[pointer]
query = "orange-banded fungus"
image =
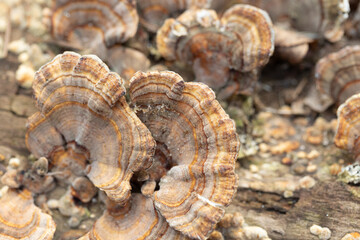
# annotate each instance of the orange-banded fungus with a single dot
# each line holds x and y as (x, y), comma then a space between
(347, 133)
(87, 23)
(21, 219)
(138, 219)
(153, 13)
(338, 74)
(81, 105)
(197, 145)
(325, 17)
(242, 40)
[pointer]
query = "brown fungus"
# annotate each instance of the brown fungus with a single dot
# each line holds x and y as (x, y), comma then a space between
(291, 45)
(347, 132)
(138, 219)
(241, 41)
(21, 219)
(197, 148)
(337, 74)
(325, 17)
(81, 104)
(126, 61)
(88, 23)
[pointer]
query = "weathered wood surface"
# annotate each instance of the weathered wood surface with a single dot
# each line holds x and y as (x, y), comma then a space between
(331, 204)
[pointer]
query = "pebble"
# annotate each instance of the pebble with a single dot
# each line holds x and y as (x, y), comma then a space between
(74, 221)
(286, 161)
(23, 57)
(53, 203)
(18, 46)
(285, 147)
(313, 154)
(288, 194)
(307, 182)
(313, 135)
(301, 154)
(25, 75)
(335, 169)
(264, 147)
(323, 233)
(298, 168)
(311, 168)
(14, 162)
(253, 232)
(253, 168)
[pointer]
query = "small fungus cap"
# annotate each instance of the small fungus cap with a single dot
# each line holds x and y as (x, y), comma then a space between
(338, 74)
(348, 128)
(198, 144)
(291, 45)
(21, 219)
(86, 22)
(81, 104)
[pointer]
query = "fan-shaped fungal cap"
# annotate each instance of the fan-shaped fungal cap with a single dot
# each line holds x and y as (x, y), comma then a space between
(81, 103)
(21, 219)
(347, 133)
(87, 22)
(138, 219)
(291, 45)
(242, 40)
(127, 61)
(153, 13)
(338, 74)
(322, 16)
(199, 142)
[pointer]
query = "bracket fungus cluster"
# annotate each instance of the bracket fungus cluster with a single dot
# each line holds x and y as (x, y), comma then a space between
(180, 136)
(337, 74)
(241, 41)
(21, 219)
(81, 104)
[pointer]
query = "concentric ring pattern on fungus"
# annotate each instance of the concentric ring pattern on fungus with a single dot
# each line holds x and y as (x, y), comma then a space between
(347, 132)
(81, 103)
(21, 219)
(138, 219)
(338, 74)
(86, 22)
(199, 144)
